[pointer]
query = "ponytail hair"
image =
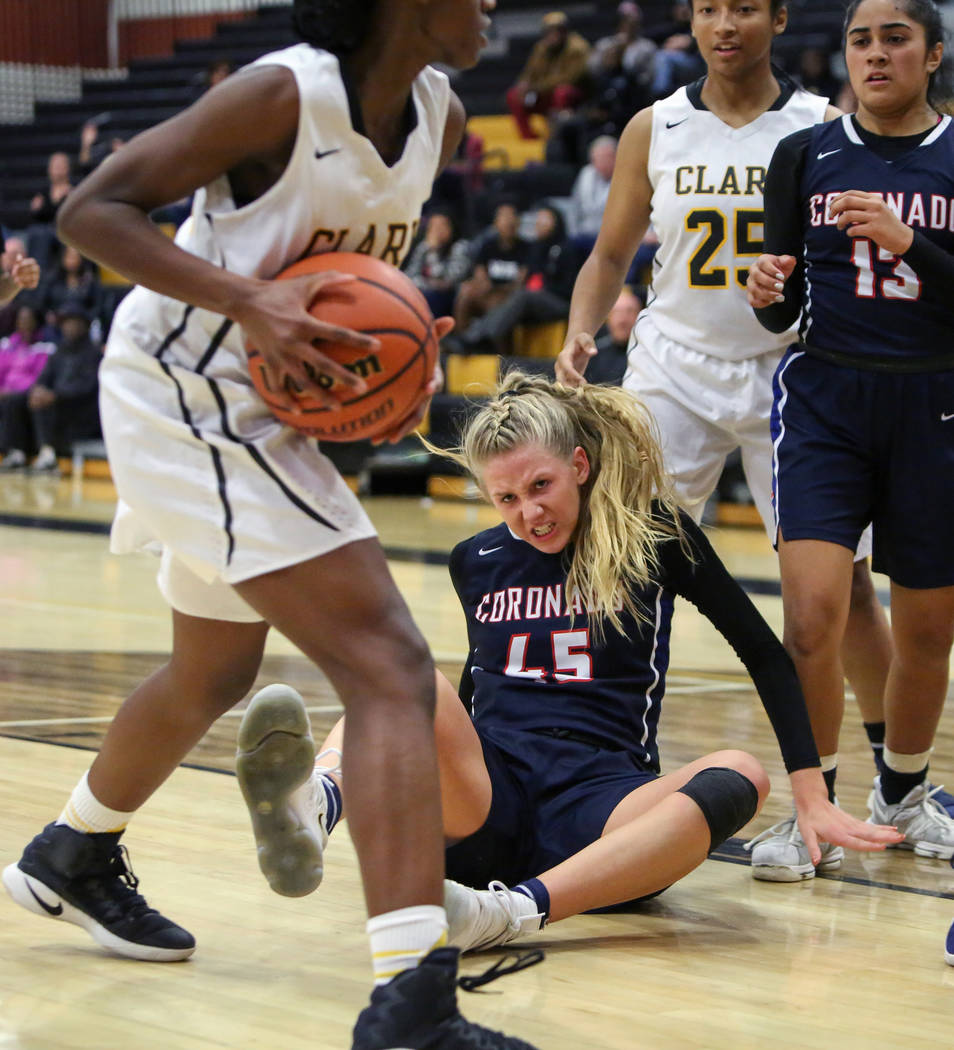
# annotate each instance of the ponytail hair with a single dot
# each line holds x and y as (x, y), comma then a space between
(614, 551)
(339, 26)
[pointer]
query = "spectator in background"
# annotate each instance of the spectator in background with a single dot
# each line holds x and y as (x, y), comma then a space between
(590, 191)
(627, 51)
(62, 405)
(814, 72)
(23, 356)
(44, 206)
(18, 272)
(94, 146)
(439, 262)
(552, 265)
(554, 77)
(677, 59)
(609, 365)
(74, 278)
(499, 268)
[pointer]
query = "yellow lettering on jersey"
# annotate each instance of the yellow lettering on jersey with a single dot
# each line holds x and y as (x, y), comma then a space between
(366, 246)
(324, 241)
(397, 238)
(684, 185)
(700, 178)
(754, 180)
(730, 183)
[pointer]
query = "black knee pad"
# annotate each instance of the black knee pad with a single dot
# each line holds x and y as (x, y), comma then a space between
(727, 799)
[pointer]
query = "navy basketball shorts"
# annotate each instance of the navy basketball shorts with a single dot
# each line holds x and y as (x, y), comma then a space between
(551, 797)
(854, 446)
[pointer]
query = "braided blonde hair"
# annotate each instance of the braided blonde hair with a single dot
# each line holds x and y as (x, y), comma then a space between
(614, 548)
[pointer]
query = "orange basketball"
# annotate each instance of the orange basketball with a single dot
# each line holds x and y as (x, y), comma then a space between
(382, 302)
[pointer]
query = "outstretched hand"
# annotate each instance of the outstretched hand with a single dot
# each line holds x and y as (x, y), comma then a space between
(573, 358)
(821, 821)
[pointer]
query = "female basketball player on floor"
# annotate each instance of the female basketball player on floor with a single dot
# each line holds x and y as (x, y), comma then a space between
(859, 232)
(694, 165)
(332, 144)
(552, 785)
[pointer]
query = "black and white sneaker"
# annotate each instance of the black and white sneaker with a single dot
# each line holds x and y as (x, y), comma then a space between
(418, 1011)
(86, 880)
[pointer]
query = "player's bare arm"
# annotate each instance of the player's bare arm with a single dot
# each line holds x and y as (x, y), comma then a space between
(246, 128)
(453, 133)
(625, 221)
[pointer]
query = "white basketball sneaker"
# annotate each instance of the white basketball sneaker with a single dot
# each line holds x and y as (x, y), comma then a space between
(275, 767)
(478, 919)
(779, 854)
(923, 821)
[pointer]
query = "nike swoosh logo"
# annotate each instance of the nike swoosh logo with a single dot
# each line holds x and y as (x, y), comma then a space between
(822, 156)
(676, 123)
(48, 908)
(487, 550)
(945, 416)
(319, 153)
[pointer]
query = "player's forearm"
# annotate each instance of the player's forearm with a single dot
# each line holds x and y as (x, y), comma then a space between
(122, 237)
(597, 287)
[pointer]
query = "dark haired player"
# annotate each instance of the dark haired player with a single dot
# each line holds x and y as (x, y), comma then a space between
(329, 145)
(859, 232)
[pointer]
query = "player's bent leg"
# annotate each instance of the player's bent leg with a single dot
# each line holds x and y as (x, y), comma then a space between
(663, 837)
(286, 797)
(75, 869)
(345, 613)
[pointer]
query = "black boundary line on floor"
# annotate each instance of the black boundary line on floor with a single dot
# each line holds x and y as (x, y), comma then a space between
(733, 844)
(750, 584)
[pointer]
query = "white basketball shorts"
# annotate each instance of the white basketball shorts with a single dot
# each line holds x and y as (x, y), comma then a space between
(206, 475)
(705, 408)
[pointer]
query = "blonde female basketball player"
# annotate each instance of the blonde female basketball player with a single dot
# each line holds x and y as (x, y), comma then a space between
(693, 164)
(331, 144)
(550, 774)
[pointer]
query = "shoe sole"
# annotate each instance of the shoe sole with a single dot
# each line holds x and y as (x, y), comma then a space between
(925, 849)
(793, 872)
(276, 755)
(23, 889)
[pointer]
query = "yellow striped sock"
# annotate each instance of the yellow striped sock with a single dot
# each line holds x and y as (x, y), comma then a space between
(400, 939)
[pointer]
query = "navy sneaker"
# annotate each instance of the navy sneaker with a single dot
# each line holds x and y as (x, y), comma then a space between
(418, 1011)
(949, 947)
(86, 879)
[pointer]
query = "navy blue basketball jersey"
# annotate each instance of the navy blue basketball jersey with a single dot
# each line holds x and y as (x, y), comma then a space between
(520, 633)
(535, 664)
(859, 298)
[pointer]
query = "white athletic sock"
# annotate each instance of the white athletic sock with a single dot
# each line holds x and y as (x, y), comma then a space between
(85, 813)
(400, 939)
(906, 763)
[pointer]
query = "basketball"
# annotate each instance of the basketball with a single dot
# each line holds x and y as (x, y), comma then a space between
(384, 303)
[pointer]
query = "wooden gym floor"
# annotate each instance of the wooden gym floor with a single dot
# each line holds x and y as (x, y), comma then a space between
(719, 961)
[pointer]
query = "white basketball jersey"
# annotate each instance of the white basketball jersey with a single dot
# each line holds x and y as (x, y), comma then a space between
(707, 181)
(336, 194)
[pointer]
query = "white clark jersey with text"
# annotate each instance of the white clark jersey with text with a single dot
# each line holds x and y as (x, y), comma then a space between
(707, 180)
(336, 194)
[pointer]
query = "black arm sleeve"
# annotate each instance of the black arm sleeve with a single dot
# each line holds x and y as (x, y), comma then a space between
(708, 585)
(783, 226)
(933, 265)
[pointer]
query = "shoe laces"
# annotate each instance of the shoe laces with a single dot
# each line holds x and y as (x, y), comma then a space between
(932, 810)
(787, 828)
(505, 898)
(513, 962)
(328, 770)
(115, 883)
